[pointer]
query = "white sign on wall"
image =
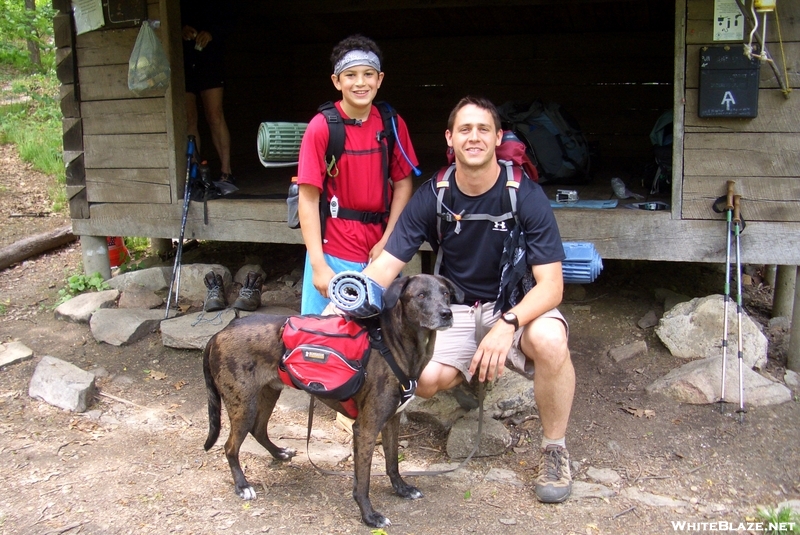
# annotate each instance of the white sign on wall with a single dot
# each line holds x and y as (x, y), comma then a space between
(728, 21)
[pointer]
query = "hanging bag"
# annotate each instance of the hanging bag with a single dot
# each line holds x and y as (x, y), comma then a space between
(148, 68)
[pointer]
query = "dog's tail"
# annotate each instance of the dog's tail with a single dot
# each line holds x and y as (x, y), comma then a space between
(214, 402)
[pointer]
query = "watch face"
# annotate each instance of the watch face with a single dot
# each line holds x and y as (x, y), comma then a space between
(510, 317)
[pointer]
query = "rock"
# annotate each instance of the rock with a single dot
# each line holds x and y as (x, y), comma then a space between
(511, 394)
(154, 279)
(494, 439)
(441, 410)
(241, 275)
(694, 330)
(193, 331)
(62, 384)
(603, 475)
(574, 292)
(273, 310)
(117, 326)
(648, 320)
(670, 298)
(501, 475)
(792, 380)
(137, 296)
(653, 500)
(11, 352)
(583, 490)
(628, 351)
(293, 400)
(81, 307)
(698, 382)
(193, 286)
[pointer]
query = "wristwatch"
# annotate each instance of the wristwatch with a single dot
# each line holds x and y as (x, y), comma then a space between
(511, 319)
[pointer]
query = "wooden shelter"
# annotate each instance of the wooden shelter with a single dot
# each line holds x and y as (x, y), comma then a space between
(615, 65)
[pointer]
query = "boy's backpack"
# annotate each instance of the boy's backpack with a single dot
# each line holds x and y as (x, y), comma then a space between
(333, 153)
(553, 137)
(326, 356)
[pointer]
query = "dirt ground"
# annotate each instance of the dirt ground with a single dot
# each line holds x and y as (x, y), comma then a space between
(135, 463)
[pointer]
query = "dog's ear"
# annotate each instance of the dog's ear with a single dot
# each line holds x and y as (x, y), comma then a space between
(456, 295)
(394, 291)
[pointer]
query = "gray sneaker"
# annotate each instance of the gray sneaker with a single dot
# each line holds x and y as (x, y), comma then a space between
(554, 481)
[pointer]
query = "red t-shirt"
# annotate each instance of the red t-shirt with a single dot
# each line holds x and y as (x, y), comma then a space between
(360, 183)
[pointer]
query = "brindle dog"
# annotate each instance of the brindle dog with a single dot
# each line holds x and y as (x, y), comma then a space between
(240, 366)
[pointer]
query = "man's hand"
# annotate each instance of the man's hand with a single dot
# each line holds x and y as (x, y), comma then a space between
(490, 358)
(203, 38)
(189, 33)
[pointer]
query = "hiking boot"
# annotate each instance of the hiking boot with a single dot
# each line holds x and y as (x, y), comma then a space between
(554, 481)
(250, 295)
(215, 299)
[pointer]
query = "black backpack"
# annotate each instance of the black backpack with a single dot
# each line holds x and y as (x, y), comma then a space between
(333, 153)
(553, 137)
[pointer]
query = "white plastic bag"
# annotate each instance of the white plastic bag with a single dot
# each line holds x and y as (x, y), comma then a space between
(148, 68)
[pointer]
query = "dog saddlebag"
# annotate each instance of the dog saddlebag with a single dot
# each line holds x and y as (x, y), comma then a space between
(325, 355)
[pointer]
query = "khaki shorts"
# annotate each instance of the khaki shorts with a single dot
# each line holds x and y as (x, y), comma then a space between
(457, 345)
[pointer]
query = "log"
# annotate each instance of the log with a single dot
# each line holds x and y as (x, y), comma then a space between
(34, 245)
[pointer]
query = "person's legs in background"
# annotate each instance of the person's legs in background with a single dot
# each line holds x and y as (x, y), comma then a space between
(220, 136)
(191, 118)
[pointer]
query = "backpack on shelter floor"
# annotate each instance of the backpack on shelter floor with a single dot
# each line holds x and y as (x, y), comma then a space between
(554, 139)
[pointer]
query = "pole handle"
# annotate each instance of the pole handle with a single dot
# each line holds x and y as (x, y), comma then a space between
(729, 196)
(736, 209)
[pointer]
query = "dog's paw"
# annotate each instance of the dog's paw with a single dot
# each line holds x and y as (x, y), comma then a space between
(377, 520)
(284, 454)
(409, 492)
(246, 493)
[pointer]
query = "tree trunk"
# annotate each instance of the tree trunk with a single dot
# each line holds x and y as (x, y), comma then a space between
(34, 245)
(33, 46)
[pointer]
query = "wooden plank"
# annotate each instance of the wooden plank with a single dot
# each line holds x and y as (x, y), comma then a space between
(70, 105)
(63, 6)
(62, 30)
(175, 99)
(763, 199)
(620, 234)
(78, 205)
(134, 151)
(65, 65)
(133, 116)
(142, 178)
(72, 134)
(736, 155)
(776, 113)
(678, 108)
(105, 47)
(107, 82)
(76, 171)
(766, 75)
(121, 190)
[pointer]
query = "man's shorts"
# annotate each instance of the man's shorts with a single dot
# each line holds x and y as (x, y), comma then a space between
(457, 345)
(204, 70)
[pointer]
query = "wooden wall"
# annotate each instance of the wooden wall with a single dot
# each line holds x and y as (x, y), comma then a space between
(760, 154)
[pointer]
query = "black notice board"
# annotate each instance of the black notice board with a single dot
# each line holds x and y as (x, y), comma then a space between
(124, 13)
(728, 82)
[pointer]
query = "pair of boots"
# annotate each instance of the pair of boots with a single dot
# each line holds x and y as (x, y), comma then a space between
(249, 296)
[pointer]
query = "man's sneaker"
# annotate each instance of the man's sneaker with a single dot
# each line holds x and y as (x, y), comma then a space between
(554, 481)
(250, 295)
(215, 299)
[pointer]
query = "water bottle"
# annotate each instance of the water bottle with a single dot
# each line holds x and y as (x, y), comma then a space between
(293, 219)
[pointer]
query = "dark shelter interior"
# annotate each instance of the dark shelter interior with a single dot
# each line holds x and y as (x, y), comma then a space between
(609, 64)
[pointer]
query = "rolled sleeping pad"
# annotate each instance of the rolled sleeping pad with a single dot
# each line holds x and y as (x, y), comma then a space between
(356, 294)
(278, 143)
(582, 265)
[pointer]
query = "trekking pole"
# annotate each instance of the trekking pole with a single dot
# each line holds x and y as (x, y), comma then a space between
(737, 224)
(728, 213)
(176, 268)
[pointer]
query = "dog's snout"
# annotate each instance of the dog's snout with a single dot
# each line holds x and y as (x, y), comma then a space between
(446, 314)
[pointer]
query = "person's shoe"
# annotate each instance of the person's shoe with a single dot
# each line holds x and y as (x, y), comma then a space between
(250, 295)
(215, 299)
(554, 481)
(227, 177)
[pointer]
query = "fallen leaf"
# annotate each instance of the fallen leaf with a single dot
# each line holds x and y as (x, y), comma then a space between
(158, 376)
(179, 385)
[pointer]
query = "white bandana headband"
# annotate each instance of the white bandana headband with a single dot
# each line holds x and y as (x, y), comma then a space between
(355, 58)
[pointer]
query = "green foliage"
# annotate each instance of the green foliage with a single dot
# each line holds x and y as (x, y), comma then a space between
(80, 283)
(784, 516)
(19, 25)
(137, 251)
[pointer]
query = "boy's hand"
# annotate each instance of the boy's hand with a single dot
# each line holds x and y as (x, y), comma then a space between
(377, 249)
(490, 358)
(322, 278)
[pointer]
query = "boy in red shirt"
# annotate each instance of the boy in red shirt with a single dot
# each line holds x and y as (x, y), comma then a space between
(356, 181)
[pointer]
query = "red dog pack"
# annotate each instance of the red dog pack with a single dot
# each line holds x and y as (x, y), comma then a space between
(325, 355)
